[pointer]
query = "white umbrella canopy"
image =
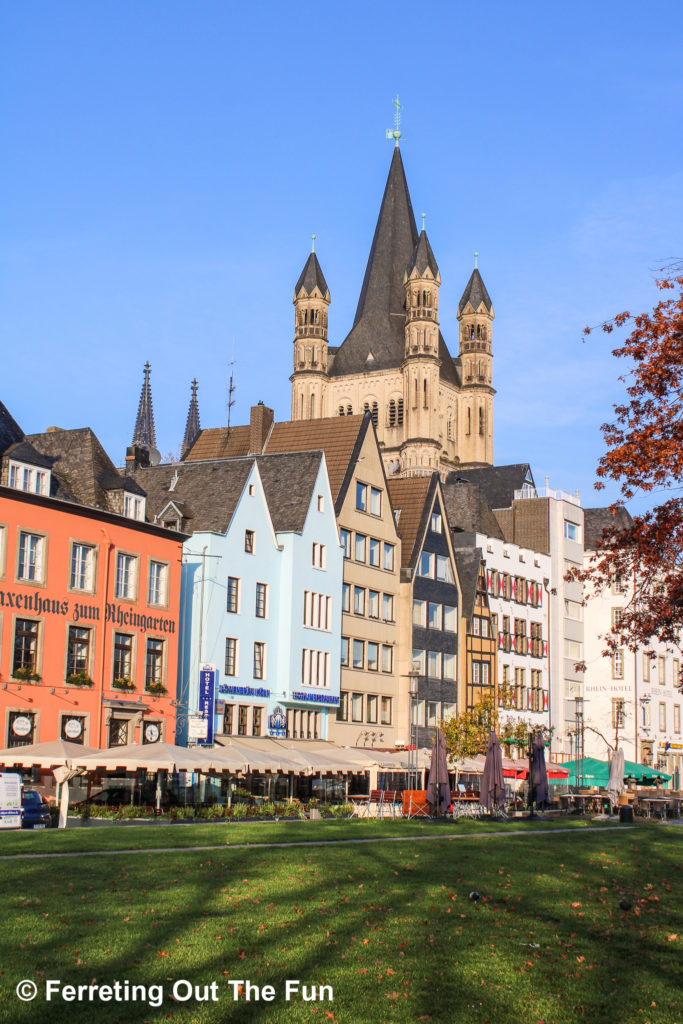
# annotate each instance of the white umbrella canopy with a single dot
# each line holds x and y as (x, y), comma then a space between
(615, 785)
(152, 756)
(45, 755)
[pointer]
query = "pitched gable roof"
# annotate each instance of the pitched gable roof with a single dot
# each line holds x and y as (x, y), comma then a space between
(219, 443)
(498, 483)
(468, 563)
(468, 511)
(411, 499)
(10, 431)
(81, 469)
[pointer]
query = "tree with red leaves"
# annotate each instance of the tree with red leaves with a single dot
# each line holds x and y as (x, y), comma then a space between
(644, 454)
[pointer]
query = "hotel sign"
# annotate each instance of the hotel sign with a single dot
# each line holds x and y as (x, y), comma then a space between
(207, 700)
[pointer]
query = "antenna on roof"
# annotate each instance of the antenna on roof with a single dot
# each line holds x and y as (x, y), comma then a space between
(232, 388)
(396, 133)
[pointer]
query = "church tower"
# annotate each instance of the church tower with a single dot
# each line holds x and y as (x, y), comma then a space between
(420, 452)
(311, 303)
(192, 427)
(475, 429)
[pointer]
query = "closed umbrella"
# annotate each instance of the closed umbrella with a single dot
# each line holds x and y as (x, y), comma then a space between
(492, 792)
(615, 785)
(539, 773)
(438, 787)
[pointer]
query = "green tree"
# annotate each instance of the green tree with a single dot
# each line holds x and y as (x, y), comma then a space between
(467, 734)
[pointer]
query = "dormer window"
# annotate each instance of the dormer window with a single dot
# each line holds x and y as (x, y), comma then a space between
(29, 478)
(134, 507)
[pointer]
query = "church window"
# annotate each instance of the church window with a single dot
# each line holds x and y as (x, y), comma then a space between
(483, 333)
(416, 393)
(392, 413)
(316, 316)
(312, 406)
(305, 316)
(375, 413)
(302, 406)
(471, 332)
(478, 331)
(418, 298)
(349, 410)
(399, 412)
(341, 410)
(425, 397)
(481, 421)
(469, 421)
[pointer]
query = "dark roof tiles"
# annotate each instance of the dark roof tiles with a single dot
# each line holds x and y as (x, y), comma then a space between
(311, 278)
(475, 294)
(498, 483)
(468, 511)
(596, 520)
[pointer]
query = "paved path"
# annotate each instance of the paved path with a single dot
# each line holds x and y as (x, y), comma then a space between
(324, 842)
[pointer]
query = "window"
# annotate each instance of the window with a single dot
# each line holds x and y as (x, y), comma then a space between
(435, 523)
(618, 714)
(617, 618)
(233, 594)
(357, 707)
(434, 615)
(77, 652)
(536, 639)
(358, 654)
(259, 660)
(572, 531)
(520, 689)
(346, 597)
(359, 550)
(314, 668)
(30, 562)
(358, 601)
(677, 717)
(373, 656)
(373, 604)
(25, 661)
(375, 499)
(662, 716)
(319, 556)
(573, 610)
(443, 569)
(661, 670)
(419, 613)
(371, 708)
(133, 507)
(256, 718)
(419, 661)
(676, 680)
(389, 557)
(228, 719)
(72, 728)
(345, 650)
(231, 651)
(387, 658)
(154, 663)
(249, 539)
(618, 584)
(426, 564)
(345, 541)
(536, 690)
(361, 497)
(321, 503)
(374, 552)
(618, 665)
(242, 719)
(157, 583)
(573, 649)
(343, 709)
(388, 607)
(28, 478)
(646, 667)
(386, 710)
(82, 575)
(126, 576)
(432, 712)
(450, 624)
(434, 664)
(123, 657)
(449, 666)
(261, 609)
(118, 732)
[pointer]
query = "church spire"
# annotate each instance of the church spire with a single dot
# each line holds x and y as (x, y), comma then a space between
(144, 435)
(192, 427)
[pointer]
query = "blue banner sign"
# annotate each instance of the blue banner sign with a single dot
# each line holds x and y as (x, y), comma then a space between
(207, 700)
(244, 691)
(317, 698)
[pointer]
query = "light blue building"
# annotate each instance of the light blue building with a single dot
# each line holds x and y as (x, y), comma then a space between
(261, 593)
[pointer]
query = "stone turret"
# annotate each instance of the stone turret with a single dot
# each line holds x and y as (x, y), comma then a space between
(311, 304)
(475, 315)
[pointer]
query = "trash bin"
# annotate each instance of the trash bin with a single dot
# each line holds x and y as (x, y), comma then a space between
(626, 814)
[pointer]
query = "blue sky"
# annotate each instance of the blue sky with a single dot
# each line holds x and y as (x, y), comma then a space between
(165, 165)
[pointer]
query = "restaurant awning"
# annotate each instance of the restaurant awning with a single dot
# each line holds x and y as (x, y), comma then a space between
(43, 755)
(596, 773)
(155, 757)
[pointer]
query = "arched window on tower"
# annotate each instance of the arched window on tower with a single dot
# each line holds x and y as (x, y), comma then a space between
(483, 332)
(481, 420)
(471, 332)
(375, 413)
(312, 406)
(478, 331)
(399, 412)
(417, 389)
(425, 397)
(468, 431)
(316, 316)
(341, 410)
(305, 316)
(301, 413)
(392, 413)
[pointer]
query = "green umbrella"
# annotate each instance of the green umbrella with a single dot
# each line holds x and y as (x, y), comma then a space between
(596, 773)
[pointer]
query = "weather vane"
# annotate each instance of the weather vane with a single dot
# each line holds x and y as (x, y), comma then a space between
(396, 133)
(312, 243)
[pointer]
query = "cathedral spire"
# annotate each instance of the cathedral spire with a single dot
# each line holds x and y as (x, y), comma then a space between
(144, 435)
(192, 427)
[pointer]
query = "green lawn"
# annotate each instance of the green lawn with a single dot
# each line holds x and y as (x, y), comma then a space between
(388, 925)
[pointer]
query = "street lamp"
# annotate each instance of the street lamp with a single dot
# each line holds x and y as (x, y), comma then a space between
(413, 683)
(579, 722)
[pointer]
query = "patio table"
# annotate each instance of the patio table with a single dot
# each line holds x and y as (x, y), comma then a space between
(654, 805)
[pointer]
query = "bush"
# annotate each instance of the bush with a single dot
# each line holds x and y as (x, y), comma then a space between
(266, 810)
(183, 813)
(293, 810)
(239, 811)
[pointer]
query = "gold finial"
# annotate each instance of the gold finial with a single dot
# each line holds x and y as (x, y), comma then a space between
(476, 260)
(424, 215)
(312, 243)
(396, 133)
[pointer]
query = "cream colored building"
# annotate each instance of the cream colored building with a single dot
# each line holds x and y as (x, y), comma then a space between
(431, 411)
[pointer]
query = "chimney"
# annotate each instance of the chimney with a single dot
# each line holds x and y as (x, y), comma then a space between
(260, 422)
(136, 458)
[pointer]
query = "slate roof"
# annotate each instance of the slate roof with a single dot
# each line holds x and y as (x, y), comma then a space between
(340, 437)
(468, 511)
(423, 257)
(410, 495)
(81, 469)
(311, 278)
(23, 451)
(475, 293)
(218, 443)
(10, 431)
(595, 520)
(208, 492)
(468, 562)
(379, 324)
(498, 483)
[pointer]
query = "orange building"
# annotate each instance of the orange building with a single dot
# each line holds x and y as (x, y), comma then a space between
(89, 598)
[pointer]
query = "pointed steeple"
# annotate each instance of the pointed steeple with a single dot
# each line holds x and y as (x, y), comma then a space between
(311, 277)
(423, 258)
(475, 293)
(392, 248)
(192, 427)
(144, 435)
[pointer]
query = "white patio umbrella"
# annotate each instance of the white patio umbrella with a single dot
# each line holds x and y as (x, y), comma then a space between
(152, 756)
(615, 784)
(44, 755)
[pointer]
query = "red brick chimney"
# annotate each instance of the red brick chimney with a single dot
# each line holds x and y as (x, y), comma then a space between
(260, 422)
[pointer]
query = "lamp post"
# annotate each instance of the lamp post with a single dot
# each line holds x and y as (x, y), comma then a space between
(579, 722)
(413, 682)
